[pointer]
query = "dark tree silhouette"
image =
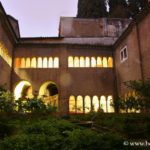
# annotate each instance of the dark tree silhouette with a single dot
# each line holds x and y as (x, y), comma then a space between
(91, 8)
(117, 8)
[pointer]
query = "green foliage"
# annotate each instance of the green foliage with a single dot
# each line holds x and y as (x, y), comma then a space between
(5, 129)
(142, 89)
(6, 101)
(34, 105)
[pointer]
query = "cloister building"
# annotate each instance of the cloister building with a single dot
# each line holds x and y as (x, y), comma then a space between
(82, 69)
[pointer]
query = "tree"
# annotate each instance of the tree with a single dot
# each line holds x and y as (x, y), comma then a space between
(91, 9)
(135, 6)
(142, 89)
(118, 9)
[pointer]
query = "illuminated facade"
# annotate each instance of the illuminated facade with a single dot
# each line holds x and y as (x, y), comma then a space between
(80, 71)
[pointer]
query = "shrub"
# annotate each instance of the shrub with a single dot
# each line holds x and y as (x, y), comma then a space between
(31, 142)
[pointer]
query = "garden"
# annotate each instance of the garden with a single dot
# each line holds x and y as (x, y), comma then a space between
(29, 124)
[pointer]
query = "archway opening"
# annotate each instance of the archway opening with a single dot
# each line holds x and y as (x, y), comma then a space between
(49, 93)
(23, 90)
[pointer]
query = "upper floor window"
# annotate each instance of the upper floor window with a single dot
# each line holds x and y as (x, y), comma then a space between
(123, 54)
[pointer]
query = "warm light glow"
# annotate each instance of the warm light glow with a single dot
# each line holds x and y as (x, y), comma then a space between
(19, 90)
(103, 103)
(105, 62)
(76, 62)
(17, 62)
(95, 103)
(46, 96)
(33, 62)
(27, 62)
(109, 104)
(50, 62)
(87, 104)
(72, 105)
(23, 63)
(45, 62)
(99, 62)
(39, 62)
(5, 54)
(79, 104)
(87, 62)
(56, 62)
(110, 62)
(70, 61)
(93, 62)
(82, 62)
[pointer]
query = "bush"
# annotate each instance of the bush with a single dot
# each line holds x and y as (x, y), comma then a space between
(6, 130)
(31, 142)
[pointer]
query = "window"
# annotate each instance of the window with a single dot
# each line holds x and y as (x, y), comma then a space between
(56, 62)
(123, 54)
(72, 104)
(39, 62)
(70, 61)
(33, 62)
(45, 62)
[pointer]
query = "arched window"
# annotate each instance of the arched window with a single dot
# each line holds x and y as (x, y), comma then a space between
(87, 104)
(39, 62)
(28, 65)
(109, 104)
(23, 63)
(17, 62)
(110, 62)
(50, 62)
(82, 63)
(99, 62)
(76, 62)
(79, 104)
(105, 65)
(33, 62)
(70, 61)
(95, 103)
(56, 62)
(45, 62)
(93, 62)
(72, 104)
(87, 62)
(103, 103)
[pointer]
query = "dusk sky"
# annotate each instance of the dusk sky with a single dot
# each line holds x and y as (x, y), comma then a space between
(39, 17)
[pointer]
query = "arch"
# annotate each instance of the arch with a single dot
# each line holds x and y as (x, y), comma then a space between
(103, 103)
(72, 104)
(76, 62)
(33, 62)
(49, 93)
(82, 62)
(109, 104)
(39, 62)
(17, 62)
(45, 64)
(28, 63)
(99, 62)
(23, 90)
(79, 104)
(70, 61)
(110, 62)
(50, 62)
(87, 62)
(95, 103)
(56, 62)
(87, 104)
(105, 64)
(23, 63)
(93, 62)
